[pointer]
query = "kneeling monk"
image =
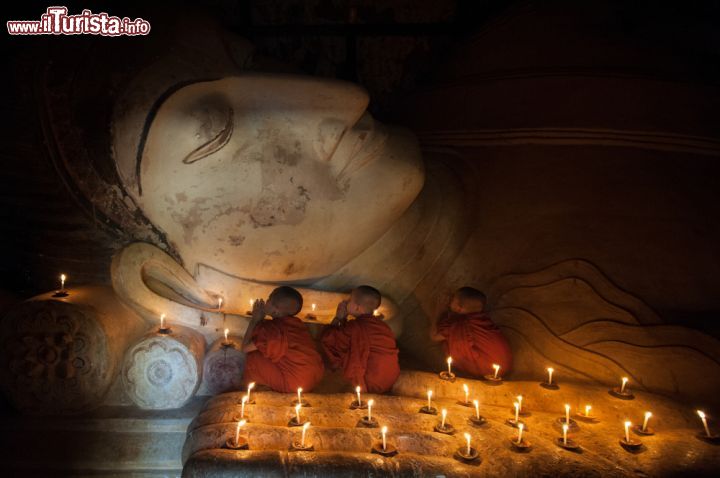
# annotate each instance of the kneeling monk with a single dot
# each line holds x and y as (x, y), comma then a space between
(280, 352)
(363, 348)
(471, 338)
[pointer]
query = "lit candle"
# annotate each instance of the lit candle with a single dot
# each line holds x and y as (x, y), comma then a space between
(701, 414)
(517, 412)
(497, 369)
(444, 416)
(240, 424)
(252, 302)
(299, 395)
(645, 422)
(467, 392)
(587, 410)
(550, 371)
(376, 312)
(226, 332)
(624, 382)
(567, 413)
(220, 301)
(251, 385)
(519, 400)
(297, 413)
(477, 409)
(242, 406)
(467, 437)
(313, 307)
(521, 426)
(371, 402)
(62, 281)
(449, 362)
(565, 429)
(304, 430)
(384, 432)
(357, 391)
(429, 405)
(162, 321)
(627, 431)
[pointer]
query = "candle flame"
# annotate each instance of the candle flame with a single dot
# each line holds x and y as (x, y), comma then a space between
(306, 425)
(313, 307)
(550, 370)
(497, 369)
(430, 393)
(384, 430)
(252, 302)
(521, 426)
(449, 360)
(565, 427)
(245, 398)
(465, 388)
(701, 414)
(226, 334)
(567, 407)
(220, 301)
(251, 385)
(648, 414)
(62, 280)
(357, 389)
(376, 312)
(162, 321)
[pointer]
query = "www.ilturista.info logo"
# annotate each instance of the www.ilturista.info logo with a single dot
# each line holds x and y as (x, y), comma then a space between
(56, 21)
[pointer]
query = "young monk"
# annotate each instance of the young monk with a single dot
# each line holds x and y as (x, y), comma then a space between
(470, 337)
(363, 348)
(281, 353)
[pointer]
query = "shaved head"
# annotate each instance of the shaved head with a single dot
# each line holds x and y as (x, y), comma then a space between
(470, 297)
(287, 299)
(367, 297)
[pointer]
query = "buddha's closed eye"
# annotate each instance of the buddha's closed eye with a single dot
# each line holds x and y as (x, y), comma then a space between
(215, 143)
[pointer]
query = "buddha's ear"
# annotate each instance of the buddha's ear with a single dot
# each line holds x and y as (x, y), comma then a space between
(328, 107)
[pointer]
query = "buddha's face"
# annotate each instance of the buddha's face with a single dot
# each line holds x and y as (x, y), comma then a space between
(274, 178)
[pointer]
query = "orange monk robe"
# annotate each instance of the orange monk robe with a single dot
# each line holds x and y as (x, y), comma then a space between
(365, 350)
(285, 358)
(475, 343)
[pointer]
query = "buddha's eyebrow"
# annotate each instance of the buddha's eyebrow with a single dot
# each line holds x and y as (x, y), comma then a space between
(152, 113)
(215, 144)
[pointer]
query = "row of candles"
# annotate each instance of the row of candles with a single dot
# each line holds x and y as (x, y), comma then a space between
(466, 452)
(621, 392)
